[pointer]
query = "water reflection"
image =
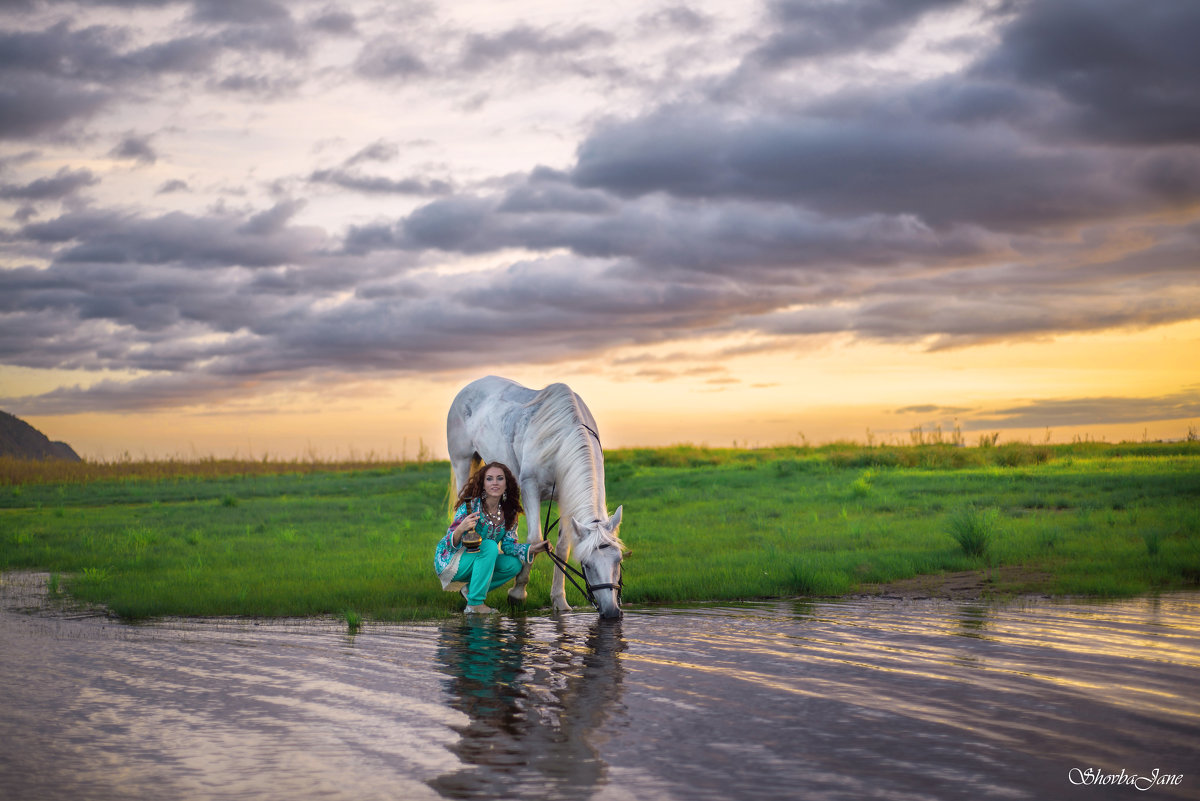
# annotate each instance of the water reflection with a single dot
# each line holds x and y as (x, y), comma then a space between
(972, 621)
(854, 700)
(532, 705)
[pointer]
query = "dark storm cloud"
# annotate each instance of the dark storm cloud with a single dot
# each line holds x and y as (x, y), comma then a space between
(32, 105)
(52, 78)
(138, 148)
(552, 197)
(376, 184)
(664, 233)
(944, 175)
(264, 85)
(141, 395)
(1019, 312)
(384, 58)
(931, 175)
(376, 151)
(929, 408)
(18, 159)
(139, 3)
(1046, 187)
(360, 240)
(157, 317)
(95, 55)
(681, 18)
(449, 53)
(806, 30)
(1181, 405)
(336, 22)
(263, 240)
(63, 183)
(482, 51)
(149, 305)
(1127, 68)
(240, 12)
(281, 39)
(589, 293)
(186, 55)
(62, 51)
(272, 221)
(174, 185)
(986, 147)
(122, 315)
(62, 74)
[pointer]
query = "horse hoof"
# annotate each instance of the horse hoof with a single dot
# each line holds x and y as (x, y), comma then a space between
(561, 606)
(516, 596)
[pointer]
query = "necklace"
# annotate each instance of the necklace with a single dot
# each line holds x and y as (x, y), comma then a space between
(495, 520)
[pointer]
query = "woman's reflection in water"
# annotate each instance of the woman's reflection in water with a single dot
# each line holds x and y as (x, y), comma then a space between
(533, 706)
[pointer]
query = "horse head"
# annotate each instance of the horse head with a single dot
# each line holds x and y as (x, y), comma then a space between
(600, 551)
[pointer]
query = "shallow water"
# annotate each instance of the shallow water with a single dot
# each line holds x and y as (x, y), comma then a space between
(866, 699)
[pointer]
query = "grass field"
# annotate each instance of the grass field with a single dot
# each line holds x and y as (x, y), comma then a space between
(216, 537)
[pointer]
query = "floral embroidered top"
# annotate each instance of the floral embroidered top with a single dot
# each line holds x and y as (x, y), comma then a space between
(446, 557)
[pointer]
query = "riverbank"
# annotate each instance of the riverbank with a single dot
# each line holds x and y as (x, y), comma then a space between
(701, 524)
(28, 592)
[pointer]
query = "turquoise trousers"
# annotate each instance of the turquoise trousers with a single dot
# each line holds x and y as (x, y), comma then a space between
(485, 570)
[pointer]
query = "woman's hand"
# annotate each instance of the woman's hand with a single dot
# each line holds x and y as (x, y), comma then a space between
(467, 524)
(538, 547)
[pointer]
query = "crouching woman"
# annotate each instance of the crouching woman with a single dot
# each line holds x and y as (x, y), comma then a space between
(480, 551)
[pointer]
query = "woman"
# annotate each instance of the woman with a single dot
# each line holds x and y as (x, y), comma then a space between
(487, 509)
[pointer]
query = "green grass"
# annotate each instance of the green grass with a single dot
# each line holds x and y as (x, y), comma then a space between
(974, 529)
(702, 524)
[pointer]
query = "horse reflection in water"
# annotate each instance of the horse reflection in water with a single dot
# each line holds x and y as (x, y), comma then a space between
(533, 707)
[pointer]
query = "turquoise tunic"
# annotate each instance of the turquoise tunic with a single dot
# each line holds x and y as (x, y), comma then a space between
(446, 557)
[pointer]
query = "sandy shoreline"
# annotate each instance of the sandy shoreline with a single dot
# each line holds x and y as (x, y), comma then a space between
(28, 591)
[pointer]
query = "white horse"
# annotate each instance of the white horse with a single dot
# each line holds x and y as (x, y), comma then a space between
(549, 440)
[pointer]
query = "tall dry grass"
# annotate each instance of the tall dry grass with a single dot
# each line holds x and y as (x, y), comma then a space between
(930, 454)
(14, 471)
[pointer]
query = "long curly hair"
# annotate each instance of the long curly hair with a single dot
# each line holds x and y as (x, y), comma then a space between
(511, 503)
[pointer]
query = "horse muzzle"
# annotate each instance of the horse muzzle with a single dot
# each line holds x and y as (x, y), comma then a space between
(606, 599)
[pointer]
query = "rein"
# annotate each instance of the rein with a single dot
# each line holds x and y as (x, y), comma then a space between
(588, 589)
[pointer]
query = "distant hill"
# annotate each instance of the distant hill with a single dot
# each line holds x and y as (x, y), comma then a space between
(19, 439)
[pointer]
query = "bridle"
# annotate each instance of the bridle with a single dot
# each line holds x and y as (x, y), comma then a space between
(588, 589)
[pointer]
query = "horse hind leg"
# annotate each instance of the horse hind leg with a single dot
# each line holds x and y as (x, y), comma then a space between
(531, 499)
(518, 593)
(533, 522)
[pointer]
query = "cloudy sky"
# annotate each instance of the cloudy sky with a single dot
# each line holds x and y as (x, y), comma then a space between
(290, 228)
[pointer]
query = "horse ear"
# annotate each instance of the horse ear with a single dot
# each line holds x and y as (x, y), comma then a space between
(580, 526)
(615, 520)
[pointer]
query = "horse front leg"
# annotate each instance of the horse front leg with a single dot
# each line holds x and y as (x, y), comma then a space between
(533, 523)
(558, 585)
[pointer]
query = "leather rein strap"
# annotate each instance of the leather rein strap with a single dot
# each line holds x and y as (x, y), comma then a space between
(588, 589)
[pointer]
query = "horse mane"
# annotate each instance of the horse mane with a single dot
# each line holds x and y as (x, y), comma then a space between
(566, 441)
(586, 545)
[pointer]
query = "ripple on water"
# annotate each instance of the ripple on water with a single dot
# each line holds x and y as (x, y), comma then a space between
(855, 699)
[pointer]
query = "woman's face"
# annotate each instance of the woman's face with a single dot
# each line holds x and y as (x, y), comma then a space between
(493, 482)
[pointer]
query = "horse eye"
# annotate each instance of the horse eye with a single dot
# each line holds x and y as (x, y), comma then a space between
(606, 545)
